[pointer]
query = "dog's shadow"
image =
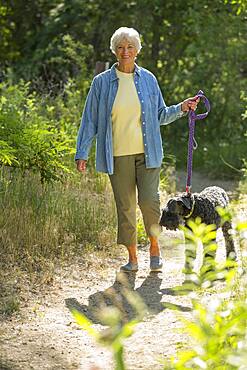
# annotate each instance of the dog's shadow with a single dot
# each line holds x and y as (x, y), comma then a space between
(149, 292)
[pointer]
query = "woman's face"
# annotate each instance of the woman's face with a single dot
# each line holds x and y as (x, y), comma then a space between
(126, 53)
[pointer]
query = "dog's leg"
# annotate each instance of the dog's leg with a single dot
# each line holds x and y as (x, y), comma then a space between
(229, 242)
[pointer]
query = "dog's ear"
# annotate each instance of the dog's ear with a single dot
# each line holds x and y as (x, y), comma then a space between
(171, 206)
(186, 202)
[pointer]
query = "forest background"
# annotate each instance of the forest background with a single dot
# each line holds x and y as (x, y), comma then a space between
(48, 53)
(50, 215)
(50, 49)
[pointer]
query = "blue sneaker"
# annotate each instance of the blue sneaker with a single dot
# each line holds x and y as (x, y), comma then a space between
(129, 267)
(156, 263)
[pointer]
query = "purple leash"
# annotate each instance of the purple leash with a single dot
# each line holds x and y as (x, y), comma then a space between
(192, 145)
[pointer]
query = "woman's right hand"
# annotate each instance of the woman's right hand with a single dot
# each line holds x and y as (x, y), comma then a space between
(81, 165)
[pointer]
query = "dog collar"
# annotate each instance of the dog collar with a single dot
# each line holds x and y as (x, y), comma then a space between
(192, 208)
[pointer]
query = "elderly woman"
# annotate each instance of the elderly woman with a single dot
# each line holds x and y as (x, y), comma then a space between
(124, 110)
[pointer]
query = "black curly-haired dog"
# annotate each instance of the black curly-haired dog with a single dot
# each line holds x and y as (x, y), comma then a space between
(189, 206)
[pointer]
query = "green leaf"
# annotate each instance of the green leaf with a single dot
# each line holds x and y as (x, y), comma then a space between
(84, 322)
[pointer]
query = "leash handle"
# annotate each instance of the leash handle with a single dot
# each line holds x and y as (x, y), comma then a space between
(205, 100)
(192, 144)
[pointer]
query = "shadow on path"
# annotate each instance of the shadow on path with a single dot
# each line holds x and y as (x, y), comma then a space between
(150, 292)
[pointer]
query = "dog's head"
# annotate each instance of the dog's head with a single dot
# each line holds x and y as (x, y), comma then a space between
(176, 210)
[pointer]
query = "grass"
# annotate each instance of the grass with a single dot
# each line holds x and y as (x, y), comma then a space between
(41, 224)
(44, 226)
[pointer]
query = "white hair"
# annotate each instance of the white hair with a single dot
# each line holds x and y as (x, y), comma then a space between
(129, 34)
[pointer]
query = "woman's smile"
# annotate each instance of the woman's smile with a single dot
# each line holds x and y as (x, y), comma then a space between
(126, 54)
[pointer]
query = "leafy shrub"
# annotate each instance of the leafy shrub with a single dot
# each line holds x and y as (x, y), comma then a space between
(29, 139)
(219, 329)
(141, 232)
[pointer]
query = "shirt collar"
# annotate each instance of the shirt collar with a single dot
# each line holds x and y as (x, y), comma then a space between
(114, 74)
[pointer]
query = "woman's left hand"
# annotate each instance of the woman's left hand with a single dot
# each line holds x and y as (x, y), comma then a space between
(190, 103)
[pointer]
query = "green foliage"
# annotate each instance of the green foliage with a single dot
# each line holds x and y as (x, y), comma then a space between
(197, 234)
(238, 5)
(49, 49)
(9, 305)
(29, 139)
(7, 51)
(219, 329)
(220, 333)
(167, 174)
(219, 158)
(45, 42)
(7, 154)
(62, 59)
(215, 65)
(243, 182)
(141, 232)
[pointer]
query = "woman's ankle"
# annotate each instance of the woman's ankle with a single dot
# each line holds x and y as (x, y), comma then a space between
(132, 250)
(154, 249)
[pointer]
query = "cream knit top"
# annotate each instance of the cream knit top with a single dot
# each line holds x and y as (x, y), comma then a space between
(126, 118)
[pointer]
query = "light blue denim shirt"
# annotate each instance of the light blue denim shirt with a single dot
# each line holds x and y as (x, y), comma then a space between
(96, 118)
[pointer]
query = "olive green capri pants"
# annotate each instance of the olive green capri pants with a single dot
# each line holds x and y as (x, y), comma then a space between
(130, 173)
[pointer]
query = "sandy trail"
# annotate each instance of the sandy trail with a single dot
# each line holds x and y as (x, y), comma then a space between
(44, 335)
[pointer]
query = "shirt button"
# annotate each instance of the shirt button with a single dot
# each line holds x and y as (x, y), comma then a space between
(146, 155)
(143, 112)
(145, 144)
(144, 134)
(142, 101)
(138, 92)
(143, 123)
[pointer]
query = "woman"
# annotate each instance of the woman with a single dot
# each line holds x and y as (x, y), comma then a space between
(124, 109)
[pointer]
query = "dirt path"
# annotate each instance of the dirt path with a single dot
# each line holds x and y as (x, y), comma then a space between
(44, 335)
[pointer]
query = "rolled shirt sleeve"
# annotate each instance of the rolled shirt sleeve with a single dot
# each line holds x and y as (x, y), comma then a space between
(168, 114)
(89, 123)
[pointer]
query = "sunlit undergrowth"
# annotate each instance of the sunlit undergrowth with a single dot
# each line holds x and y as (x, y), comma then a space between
(44, 222)
(218, 330)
